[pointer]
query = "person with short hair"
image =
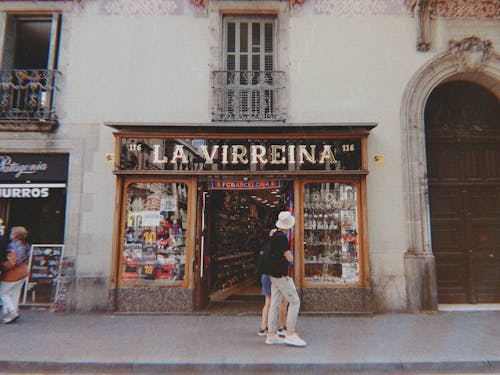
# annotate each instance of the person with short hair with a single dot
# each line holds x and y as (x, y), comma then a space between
(15, 272)
(282, 285)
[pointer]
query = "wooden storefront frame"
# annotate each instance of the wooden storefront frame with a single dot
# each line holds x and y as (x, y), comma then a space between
(300, 178)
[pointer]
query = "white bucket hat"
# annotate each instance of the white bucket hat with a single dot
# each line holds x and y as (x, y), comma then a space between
(285, 220)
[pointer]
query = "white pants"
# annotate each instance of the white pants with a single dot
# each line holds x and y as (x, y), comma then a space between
(283, 287)
(10, 291)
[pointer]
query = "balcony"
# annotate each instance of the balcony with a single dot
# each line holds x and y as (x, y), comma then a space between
(27, 100)
(248, 95)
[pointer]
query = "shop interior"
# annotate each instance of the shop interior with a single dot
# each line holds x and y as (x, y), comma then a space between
(42, 217)
(239, 217)
(44, 220)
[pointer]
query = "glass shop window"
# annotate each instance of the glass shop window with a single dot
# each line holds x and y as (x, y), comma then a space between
(154, 243)
(331, 246)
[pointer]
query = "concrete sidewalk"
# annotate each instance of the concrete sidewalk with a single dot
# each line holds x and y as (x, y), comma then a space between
(441, 342)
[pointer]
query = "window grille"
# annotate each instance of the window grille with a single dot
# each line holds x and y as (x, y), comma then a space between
(248, 87)
(28, 75)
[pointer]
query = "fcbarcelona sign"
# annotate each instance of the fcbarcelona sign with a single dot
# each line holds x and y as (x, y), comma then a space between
(245, 185)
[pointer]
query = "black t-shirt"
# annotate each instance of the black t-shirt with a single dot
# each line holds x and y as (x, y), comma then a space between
(278, 265)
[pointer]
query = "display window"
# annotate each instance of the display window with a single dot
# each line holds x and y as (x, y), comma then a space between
(154, 228)
(331, 233)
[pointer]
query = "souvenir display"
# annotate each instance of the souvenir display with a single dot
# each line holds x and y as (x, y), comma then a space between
(233, 253)
(154, 250)
(331, 233)
(240, 221)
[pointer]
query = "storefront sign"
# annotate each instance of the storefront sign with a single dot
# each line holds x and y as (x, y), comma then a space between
(45, 264)
(240, 154)
(27, 190)
(33, 167)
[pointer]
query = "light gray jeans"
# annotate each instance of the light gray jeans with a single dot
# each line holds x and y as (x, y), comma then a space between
(283, 287)
(10, 291)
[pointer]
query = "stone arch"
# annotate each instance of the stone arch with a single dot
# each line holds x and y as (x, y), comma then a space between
(470, 59)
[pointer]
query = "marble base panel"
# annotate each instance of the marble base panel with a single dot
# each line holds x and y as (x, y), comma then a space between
(421, 284)
(336, 299)
(154, 300)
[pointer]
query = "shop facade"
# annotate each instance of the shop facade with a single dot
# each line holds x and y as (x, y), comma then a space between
(33, 191)
(196, 204)
(141, 233)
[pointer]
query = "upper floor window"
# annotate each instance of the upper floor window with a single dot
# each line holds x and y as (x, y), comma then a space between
(249, 44)
(28, 74)
(248, 87)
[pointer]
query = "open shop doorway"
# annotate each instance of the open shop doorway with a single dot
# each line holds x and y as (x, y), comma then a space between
(238, 218)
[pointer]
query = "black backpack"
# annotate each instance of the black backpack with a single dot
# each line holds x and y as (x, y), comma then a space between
(263, 259)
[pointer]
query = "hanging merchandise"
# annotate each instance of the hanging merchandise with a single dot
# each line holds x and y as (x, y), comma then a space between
(331, 234)
(239, 223)
(233, 251)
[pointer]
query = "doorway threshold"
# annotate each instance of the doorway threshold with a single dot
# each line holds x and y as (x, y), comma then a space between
(469, 307)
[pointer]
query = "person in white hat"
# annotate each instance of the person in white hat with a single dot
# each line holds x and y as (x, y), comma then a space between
(282, 286)
(265, 281)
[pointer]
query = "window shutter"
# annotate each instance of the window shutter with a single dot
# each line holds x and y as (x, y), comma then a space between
(9, 43)
(248, 61)
(268, 46)
(54, 41)
(249, 43)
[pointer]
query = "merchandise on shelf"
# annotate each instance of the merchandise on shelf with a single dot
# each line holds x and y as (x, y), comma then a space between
(330, 233)
(233, 255)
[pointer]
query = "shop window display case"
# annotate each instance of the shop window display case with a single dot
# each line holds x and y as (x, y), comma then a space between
(331, 246)
(154, 248)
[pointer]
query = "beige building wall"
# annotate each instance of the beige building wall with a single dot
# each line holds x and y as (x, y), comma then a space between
(124, 61)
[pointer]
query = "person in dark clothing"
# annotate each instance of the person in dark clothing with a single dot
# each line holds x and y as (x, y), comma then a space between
(266, 290)
(282, 286)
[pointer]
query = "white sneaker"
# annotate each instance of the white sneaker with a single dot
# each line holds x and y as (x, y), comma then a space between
(274, 339)
(9, 319)
(294, 340)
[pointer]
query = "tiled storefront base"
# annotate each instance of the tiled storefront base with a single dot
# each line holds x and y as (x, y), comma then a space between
(154, 300)
(325, 299)
(336, 299)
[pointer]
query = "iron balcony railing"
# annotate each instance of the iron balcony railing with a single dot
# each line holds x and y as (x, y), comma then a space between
(27, 95)
(241, 95)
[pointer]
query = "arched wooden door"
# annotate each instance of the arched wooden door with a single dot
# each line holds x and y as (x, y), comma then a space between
(462, 125)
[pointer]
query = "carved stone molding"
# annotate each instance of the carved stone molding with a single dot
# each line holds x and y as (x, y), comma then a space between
(200, 7)
(419, 268)
(354, 8)
(471, 52)
(28, 126)
(423, 10)
(296, 5)
(137, 8)
(467, 9)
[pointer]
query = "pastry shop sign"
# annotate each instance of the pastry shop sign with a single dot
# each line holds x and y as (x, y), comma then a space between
(240, 154)
(21, 167)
